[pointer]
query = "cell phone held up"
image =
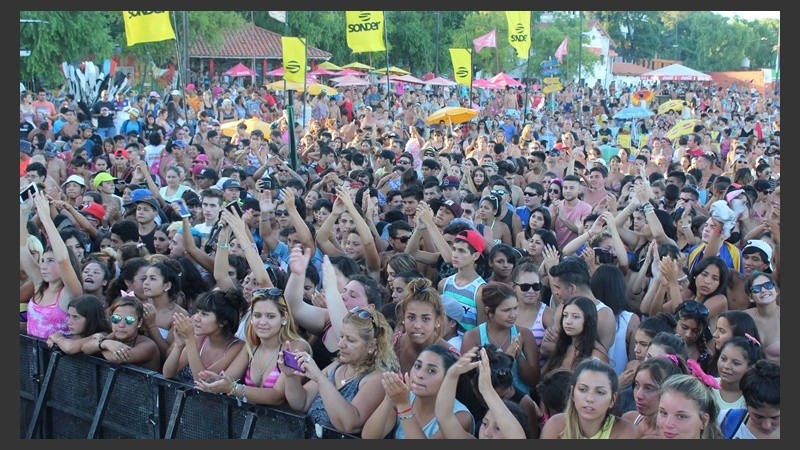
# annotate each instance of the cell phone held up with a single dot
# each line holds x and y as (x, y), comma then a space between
(27, 192)
(290, 361)
(183, 210)
(234, 207)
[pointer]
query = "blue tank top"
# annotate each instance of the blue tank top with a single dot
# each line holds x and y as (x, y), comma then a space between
(518, 383)
(432, 427)
(317, 411)
(466, 297)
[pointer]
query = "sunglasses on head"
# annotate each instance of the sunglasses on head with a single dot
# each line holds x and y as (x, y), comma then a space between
(693, 307)
(365, 314)
(525, 287)
(116, 318)
(402, 239)
(757, 288)
(272, 292)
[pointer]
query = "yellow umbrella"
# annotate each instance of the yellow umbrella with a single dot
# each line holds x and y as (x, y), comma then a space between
(393, 69)
(451, 115)
(313, 88)
(229, 128)
(357, 66)
(681, 128)
(675, 105)
(328, 65)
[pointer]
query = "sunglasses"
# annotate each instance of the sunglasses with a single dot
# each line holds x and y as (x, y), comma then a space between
(365, 314)
(282, 213)
(525, 287)
(554, 191)
(694, 307)
(553, 153)
(402, 239)
(498, 192)
(116, 318)
(272, 292)
(530, 194)
(757, 288)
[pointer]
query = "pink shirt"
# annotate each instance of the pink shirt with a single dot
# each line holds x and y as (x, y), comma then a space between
(579, 211)
(44, 320)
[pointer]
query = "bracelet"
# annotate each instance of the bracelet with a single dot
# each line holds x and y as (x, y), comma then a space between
(233, 388)
(223, 245)
(406, 416)
(405, 411)
(100, 343)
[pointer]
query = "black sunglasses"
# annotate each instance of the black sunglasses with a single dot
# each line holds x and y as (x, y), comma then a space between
(402, 239)
(282, 212)
(757, 288)
(554, 191)
(693, 307)
(553, 153)
(530, 194)
(525, 287)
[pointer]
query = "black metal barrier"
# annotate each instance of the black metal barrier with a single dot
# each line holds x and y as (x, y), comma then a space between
(85, 397)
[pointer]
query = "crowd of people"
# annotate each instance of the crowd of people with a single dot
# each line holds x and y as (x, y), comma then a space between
(540, 271)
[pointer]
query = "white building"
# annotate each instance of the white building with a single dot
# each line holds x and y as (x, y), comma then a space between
(598, 42)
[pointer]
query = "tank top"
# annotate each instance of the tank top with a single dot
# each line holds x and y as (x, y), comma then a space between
(44, 320)
(539, 331)
(185, 374)
(317, 411)
(605, 430)
(432, 427)
(268, 382)
(618, 353)
(517, 381)
(466, 297)
(322, 356)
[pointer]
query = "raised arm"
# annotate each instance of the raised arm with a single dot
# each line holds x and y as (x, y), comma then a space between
(312, 318)
(72, 284)
(449, 424)
(26, 261)
(300, 226)
(508, 423)
(242, 233)
(325, 232)
(371, 255)
(221, 264)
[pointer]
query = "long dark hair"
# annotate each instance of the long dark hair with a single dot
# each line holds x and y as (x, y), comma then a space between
(585, 342)
(91, 308)
(548, 221)
(701, 265)
(227, 306)
(608, 283)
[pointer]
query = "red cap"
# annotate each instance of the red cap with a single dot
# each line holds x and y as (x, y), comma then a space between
(121, 152)
(472, 238)
(95, 210)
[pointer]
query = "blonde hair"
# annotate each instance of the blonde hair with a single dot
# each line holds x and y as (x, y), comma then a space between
(289, 330)
(35, 245)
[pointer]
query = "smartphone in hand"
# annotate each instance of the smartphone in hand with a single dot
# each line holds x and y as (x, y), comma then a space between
(183, 210)
(234, 207)
(28, 192)
(290, 360)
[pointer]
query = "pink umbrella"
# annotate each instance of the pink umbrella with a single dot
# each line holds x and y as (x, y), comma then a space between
(350, 80)
(275, 72)
(440, 81)
(503, 80)
(401, 79)
(323, 72)
(350, 71)
(240, 70)
(484, 84)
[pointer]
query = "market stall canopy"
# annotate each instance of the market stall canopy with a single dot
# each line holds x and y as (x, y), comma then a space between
(353, 72)
(329, 66)
(504, 80)
(401, 79)
(393, 70)
(675, 72)
(323, 72)
(440, 81)
(451, 115)
(357, 66)
(240, 70)
(350, 80)
(632, 112)
(484, 84)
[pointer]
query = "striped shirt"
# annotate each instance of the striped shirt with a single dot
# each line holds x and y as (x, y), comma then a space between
(466, 297)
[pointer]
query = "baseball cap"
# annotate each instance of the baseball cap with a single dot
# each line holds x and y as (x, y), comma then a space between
(179, 143)
(190, 87)
(453, 310)
(102, 177)
(205, 172)
(472, 238)
(50, 150)
(121, 152)
(231, 184)
(175, 92)
(85, 126)
(142, 195)
(25, 147)
(454, 207)
(451, 181)
(733, 194)
(74, 179)
(202, 157)
(760, 245)
(250, 170)
(154, 94)
(95, 210)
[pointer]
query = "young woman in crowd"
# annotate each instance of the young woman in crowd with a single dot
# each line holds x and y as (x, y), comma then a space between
(730, 324)
(532, 312)
(686, 409)
(761, 418)
(648, 378)
(577, 337)
(736, 356)
(87, 317)
(767, 314)
(589, 412)
(539, 218)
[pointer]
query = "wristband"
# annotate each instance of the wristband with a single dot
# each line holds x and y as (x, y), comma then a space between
(223, 245)
(405, 411)
(406, 416)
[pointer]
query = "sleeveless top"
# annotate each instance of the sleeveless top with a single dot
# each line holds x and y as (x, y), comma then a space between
(605, 430)
(317, 411)
(322, 356)
(44, 320)
(618, 353)
(185, 374)
(466, 297)
(539, 331)
(432, 427)
(517, 381)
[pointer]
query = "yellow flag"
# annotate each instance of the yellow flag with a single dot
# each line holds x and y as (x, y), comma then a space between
(462, 65)
(364, 31)
(147, 26)
(294, 59)
(519, 32)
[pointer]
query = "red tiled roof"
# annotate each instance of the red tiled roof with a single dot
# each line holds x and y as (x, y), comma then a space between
(599, 52)
(249, 42)
(623, 68)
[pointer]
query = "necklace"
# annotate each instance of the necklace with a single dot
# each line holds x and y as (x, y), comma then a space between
(258, 381)
(346, 380)
(508, 336)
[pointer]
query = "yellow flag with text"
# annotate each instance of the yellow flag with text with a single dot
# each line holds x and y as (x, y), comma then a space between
(519, 32)
(364, 31)
(294, 59)
(147, 26)
(462, 65)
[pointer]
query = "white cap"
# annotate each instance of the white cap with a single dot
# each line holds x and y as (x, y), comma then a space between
(76, 178)
(763, 246)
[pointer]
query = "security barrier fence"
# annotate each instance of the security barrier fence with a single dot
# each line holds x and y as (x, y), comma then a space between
(85, 397)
